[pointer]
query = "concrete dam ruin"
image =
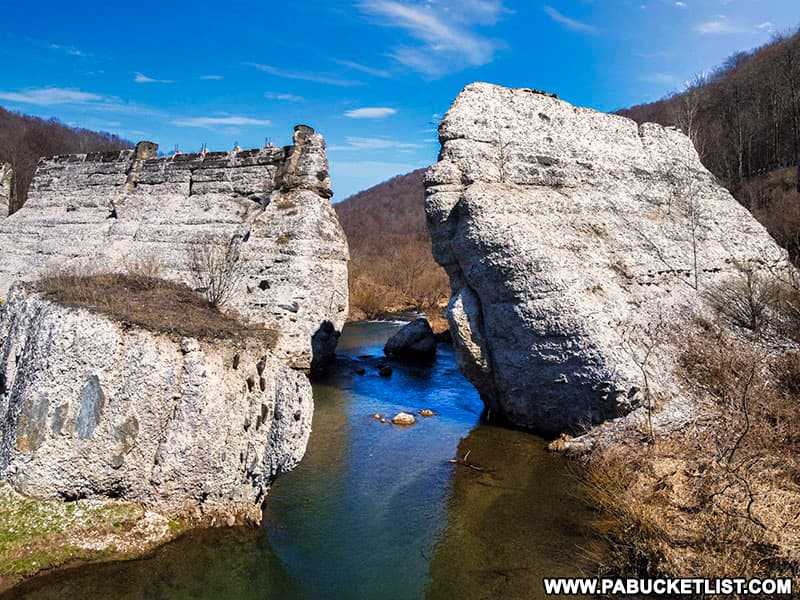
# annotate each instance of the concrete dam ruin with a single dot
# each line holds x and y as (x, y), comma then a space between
(106, 210)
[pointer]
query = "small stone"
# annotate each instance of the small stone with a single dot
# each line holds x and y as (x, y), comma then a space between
(559, 444)
(385, 371)
(426, 412)
(377, 416)
(403, 419)
(359, 370)
(189, 345)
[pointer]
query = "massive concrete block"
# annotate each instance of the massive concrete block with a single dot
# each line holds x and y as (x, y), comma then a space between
(569, 236)
(104, 210)
(94, 408)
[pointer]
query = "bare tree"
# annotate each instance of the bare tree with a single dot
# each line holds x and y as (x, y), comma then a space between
(686, 111)
(640, 342)
(25, 139)
(744, 117)
(694, 214)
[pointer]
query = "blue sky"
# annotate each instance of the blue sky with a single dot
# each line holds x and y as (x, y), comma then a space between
(374, 76)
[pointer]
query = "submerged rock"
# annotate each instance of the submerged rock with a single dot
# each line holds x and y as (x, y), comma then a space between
(414, 340)
(569, 237)
(94, 408)
(444, 337)
(404, 419)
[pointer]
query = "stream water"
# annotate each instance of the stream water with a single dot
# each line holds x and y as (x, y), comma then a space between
(379, 511)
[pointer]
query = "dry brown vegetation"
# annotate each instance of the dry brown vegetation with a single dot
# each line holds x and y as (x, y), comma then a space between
(391, 266)
(138, 298)
(24, 140)
(721, 497)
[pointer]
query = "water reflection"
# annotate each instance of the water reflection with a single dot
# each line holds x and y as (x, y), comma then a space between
(221, 564)
(514, 518)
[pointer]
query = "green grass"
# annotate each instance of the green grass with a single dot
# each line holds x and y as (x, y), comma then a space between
(37, 535)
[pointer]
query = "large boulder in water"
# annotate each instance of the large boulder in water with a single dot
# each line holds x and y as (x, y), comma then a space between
(568, 236)
(415, 340)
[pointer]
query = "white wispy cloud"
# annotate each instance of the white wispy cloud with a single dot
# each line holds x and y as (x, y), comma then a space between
(71, 50)
(660, 79)
(718, 25)
(363, 68)
(213, 122)
(211, 77)
(305, 76)
(569, 23)
(88, 101)
(140, 78)
(681, 4)
(766, 26)
(368, 143)
(51, 96)
(444, 30)
(373, 112)
(283, 97)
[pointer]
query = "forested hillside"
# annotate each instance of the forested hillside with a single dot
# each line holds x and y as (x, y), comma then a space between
(24, 139)
(744, 120)
(391, 265)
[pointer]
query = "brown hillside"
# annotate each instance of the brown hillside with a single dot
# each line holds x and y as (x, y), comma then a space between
(391, 265)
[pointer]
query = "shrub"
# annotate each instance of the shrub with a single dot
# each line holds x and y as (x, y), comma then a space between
(745, 300)
(215, 264)
(372, 299)
(715, 496)
(142, 270)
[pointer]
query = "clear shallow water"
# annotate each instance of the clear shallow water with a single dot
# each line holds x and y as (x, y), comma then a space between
(378, 511)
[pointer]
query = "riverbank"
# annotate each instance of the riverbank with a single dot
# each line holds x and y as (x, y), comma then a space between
(716, 494)
(39, 535)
